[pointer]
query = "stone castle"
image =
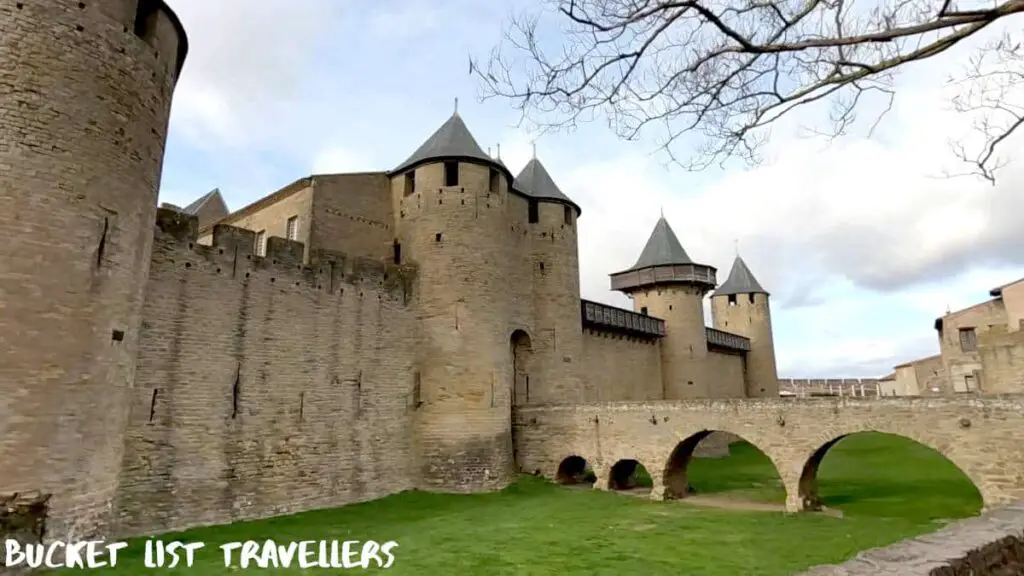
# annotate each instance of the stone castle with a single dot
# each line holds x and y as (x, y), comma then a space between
(352, 335)
(349, 336)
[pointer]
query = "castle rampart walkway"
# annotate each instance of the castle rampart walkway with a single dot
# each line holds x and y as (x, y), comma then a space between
(981, 435)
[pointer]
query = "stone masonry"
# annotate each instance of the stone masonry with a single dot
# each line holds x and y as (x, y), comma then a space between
(989, 545)
(980, 436)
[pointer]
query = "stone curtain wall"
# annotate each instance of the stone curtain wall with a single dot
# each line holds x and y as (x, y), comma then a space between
(620, 367)
(264, 387)
(980, 435)
(989, 545)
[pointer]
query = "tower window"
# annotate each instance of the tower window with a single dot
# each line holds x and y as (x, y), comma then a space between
(568, 215)
(732, 299)
(534, 211)
(643, 310)
(410, 182)
(145, 19)
(968, 340)
(451, 173)
(396, 249)
(292, 228)
(492, 183)
(261, 243)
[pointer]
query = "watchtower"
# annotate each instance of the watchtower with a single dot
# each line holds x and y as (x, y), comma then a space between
(667, 284)
(557, 341)
(83, 122)
(740, 305)
(450, 200)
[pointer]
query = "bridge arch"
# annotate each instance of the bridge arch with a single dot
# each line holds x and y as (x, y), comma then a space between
(675, 474)
(575, 469)
(808, 493)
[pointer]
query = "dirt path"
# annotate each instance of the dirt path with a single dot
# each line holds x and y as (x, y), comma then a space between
(723, 501)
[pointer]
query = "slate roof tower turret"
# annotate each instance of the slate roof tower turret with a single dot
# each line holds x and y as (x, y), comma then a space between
(740, 305)
(666, 283)
(551, 221)
(450, 200)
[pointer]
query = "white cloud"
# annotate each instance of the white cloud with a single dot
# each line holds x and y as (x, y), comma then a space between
(337, 160)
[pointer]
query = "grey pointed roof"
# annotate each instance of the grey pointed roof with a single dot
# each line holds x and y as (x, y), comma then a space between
(662, 249)
(452, 140)
(535, 181)
(194, 207)
(740, 281)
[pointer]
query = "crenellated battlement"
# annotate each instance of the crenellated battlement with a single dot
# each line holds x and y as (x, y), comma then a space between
(232, 253)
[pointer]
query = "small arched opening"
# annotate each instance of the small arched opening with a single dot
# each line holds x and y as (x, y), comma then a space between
(522, 350)
(629, 475)
(743, 472)
(886, 475)
(575, 470)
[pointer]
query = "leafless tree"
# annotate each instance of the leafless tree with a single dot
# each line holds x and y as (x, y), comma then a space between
(728, 69)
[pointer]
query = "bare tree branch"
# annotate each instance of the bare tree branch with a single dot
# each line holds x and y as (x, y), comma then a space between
(728, 69)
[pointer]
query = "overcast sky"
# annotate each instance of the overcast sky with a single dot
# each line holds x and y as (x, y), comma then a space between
(861, 242)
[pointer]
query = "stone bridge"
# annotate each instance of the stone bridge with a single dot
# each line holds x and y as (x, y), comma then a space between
(983, 436)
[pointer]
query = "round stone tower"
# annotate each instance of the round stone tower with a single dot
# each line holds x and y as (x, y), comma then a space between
(557, 342)
(667, 284)
(87, 93)
(740, 305)
(450, 199)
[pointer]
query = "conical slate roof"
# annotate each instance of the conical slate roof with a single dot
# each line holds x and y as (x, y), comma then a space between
(740, 281)
(534, 181)
(451, 140)
(662, 249)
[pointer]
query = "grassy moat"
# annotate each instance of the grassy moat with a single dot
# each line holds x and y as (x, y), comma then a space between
(887, 489)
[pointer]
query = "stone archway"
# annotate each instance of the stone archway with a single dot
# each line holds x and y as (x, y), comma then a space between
(809, 496)
(575, 470)
(522, 352)
(628, 475)
(675, 476)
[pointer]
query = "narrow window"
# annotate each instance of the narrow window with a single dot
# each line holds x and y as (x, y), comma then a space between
(534, 212)
(492, 183)
(451, 173)
(568, 215)
(397, 250)
(410, 182)
(145, 19)
(644, 310)
(292, 228)
(750, 297)
(968, 340)
(969, 385)
(261, 243)
(732, 299)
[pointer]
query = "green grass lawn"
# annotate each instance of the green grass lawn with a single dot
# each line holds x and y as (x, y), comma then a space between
(887, 488)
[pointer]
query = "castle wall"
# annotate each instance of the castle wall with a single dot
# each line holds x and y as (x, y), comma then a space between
(1013, 302)
(1002, 360)
(271, 216)
(520, 267)
(726, 375)
(83, 122)
(684, 348)
(963, 367)
(461, 238)
(352, 213)
(750, 315)
(265, 387)
(558, 334)
(617, 367)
